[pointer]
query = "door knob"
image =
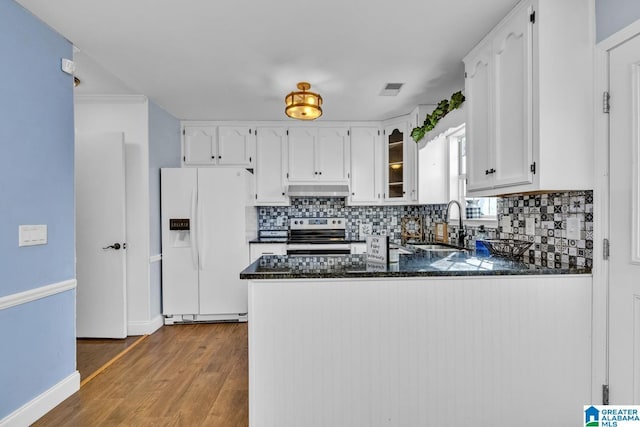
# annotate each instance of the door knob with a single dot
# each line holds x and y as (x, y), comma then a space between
(115, 246)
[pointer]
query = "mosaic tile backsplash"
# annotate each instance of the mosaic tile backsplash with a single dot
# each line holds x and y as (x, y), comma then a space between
(550, 246)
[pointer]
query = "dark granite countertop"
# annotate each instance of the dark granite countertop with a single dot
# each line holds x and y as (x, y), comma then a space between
(420, 263)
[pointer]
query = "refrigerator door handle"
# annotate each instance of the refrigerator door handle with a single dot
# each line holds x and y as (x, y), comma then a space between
(194, 229)
(201, 231)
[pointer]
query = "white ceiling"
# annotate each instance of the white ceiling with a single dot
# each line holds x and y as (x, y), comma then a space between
(237, 59)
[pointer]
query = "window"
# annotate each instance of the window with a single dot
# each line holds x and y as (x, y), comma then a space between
(479, 209)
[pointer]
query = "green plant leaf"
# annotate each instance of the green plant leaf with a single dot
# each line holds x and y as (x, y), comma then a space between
(418, 133)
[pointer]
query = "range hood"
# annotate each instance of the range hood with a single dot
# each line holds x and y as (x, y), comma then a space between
(318, 190)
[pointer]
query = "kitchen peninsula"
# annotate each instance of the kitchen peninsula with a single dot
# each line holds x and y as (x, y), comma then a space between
(441, 338)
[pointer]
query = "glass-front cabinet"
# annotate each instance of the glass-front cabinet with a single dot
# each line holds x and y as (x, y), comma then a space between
(395, 163)
(399, 165)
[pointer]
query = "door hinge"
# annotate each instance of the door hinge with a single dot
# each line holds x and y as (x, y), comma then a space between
(256, 196)
(532, 168)
(183, 132)
(184, 158)
(348, 133)
(378, 132)
(287, 175)
(605, 249)
(287, 131)
(532, 17)
(465, 74)
(605, 394)
(606, 102)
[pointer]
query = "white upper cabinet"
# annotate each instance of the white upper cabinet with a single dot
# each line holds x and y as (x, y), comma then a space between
(302, 159)
(332, 154)
(235, 145)
(399, 162)
(200, 145)
(318, 154)
(218, 145)
(271, 144)
(366, 166)
(529, 101)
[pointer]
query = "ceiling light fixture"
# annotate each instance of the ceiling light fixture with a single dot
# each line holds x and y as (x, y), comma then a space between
(303, 105)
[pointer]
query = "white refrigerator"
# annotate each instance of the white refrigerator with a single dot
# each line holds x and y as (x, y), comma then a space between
(208, 218)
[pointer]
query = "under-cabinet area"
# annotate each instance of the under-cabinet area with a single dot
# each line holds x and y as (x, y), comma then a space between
(419, 351)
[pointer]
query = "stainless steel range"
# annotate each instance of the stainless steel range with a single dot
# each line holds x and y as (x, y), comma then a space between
(317, 236)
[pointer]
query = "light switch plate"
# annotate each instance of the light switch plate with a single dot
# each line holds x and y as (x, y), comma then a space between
(573, 228)
(31, 235)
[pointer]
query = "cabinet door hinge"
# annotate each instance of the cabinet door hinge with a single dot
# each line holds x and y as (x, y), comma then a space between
(606, 102)
(532, 168)
(256, 132)
(532, 17)
(249, 131)
(184, 158)
(465, 74)
(605, 394)
(287, 131)
(348, 133)
(183, 132)
(605, 249)
(378, 132)
(287, 175)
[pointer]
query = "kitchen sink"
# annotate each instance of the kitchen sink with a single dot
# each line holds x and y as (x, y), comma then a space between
(435, 247)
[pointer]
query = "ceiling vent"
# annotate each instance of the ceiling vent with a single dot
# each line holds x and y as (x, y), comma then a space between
(391, 89)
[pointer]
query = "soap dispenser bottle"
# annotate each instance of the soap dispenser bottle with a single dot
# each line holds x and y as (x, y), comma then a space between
(481, 248)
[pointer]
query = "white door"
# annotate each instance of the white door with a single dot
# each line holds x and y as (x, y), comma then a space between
(100, 236)
(624, 276)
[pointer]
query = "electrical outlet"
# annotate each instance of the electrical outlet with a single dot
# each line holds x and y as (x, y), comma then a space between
(573, 228)
(530, 226)
(506, 224)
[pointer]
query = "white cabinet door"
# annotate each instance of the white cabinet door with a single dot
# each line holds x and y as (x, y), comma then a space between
(332, 154)
(200, 144)
(512, 61)
(269, 171)
(433, 171)
(397, 164)
(235, 145)
(478, 125)
(366, 166)
(301, 146)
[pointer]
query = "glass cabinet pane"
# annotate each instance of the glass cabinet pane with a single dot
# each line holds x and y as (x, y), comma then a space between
(395, 145)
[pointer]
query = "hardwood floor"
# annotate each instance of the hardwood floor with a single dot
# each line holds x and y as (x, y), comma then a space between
(93, 353)
(182, 375)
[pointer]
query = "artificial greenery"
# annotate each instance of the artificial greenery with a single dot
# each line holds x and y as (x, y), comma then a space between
(443, 108)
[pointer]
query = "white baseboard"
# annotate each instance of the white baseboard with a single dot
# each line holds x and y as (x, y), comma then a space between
(145, 327)
(36, 408)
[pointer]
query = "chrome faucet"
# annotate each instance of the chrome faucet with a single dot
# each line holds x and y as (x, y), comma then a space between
(461, 227)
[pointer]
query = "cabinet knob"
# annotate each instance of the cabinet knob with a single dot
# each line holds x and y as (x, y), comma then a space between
(319, 173)
(283, 193)
(219, 157)
(353, 194)
(315, 173)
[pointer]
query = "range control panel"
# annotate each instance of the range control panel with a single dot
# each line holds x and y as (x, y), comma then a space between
(316, 223)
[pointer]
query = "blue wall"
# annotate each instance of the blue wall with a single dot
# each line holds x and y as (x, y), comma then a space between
(37, 187)
(614, 15)
(164, 152)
